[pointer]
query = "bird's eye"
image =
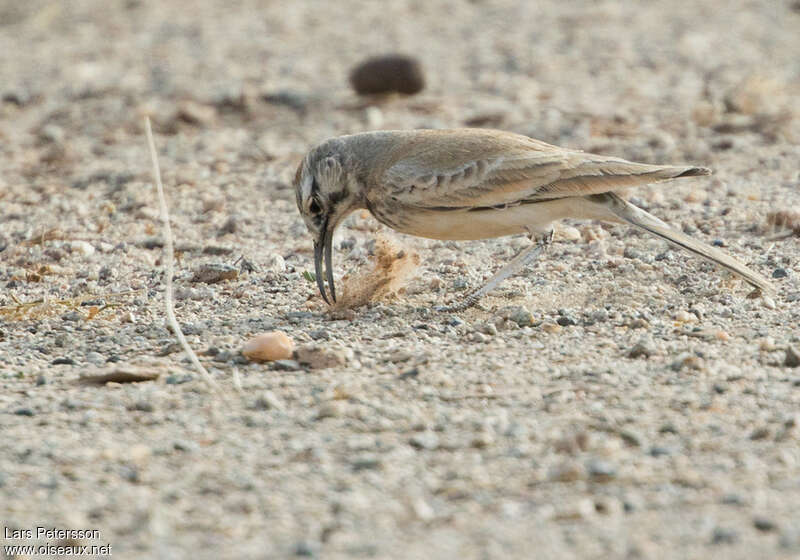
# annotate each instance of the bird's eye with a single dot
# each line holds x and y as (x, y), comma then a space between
(314, 207)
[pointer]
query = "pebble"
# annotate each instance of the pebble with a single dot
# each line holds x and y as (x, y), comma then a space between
(274, 263)
(643, 349)
(142, 406)
(767, 344)
(768, 302)
(63, 361)
(684, 316)
(686, 360)
(267, 400)
(658, 451)
(551, 328)
(489, 329)
(320, 357)
(212, 273)
(568, 471)
(724, 535)
(195, 113)
(601, 471)
(764, 524)
(366, 462)
(760, 433)
(639, 323)
(566, 321)
(331, 409)
(780, 273)
(569, 233)
(424, 440)
(286, 365)
(24, 411)
(268, 347)
(305, 549)
(95, 358)
(388, 74)
(82, 247)
(518, 314)
(792, 358)
(231, 225)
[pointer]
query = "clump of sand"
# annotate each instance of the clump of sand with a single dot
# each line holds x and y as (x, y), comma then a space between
(391, 268)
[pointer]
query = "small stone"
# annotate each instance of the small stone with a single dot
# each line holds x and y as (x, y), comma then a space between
(142, 406)
(95, 358)
(489, 329)
(423, 510)
(196, 113)
(305, 549)
(211, 273)
(601, 471)
(274, 263)
(760, 433)
(63, 361)
(366, 462)
(768, 302)
(267, 400)
(551, 328)
(286, 365)
(331, 409)
(294, 100)
(568, 471)
(320, 334)
(482, 440)
(184, 445)
(82, 247)
(24, 412)
(231, 225)
(631, 437)
(566, 321)
(764, 524)
(643, 349)
(519, 315)
(41, 380)
(320, 357)
(723, 336)
(686, 360)
(268, 347)
(388, 74)
(569, 233)
(767, 344)
(780, 273)
(582, 509)
(683, 316)
(424, 440)
(792, 358)
(658, 451)
(724, 535)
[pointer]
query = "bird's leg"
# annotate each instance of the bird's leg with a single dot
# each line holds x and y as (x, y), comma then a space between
(540, 242)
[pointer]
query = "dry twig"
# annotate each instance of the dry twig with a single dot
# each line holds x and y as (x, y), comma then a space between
(170, 265)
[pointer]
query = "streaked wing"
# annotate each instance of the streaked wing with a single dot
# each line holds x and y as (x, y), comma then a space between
(486, 168)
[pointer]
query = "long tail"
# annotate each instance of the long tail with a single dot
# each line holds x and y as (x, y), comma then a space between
(628, 213)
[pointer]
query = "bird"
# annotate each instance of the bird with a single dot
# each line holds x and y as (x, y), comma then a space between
(474, 183)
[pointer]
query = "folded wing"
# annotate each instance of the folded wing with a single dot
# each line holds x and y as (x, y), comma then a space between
(471, 168)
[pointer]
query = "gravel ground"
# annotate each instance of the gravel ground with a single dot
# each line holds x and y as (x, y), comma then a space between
(618, 400)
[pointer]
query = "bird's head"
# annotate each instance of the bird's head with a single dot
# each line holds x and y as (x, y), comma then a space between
(327, 190)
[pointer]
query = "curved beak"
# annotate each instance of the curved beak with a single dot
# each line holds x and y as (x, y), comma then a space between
(324, 246)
